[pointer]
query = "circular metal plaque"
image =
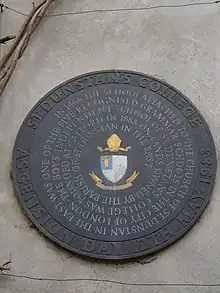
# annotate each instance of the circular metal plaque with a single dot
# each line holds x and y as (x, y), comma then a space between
(114, 164)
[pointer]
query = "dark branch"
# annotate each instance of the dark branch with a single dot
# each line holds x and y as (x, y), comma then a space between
(4, 40)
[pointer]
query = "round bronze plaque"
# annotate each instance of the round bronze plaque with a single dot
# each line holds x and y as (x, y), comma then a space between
(114, 164)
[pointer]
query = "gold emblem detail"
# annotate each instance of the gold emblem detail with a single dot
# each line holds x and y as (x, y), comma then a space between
(114, 187)
(114, 165)
(113, 144)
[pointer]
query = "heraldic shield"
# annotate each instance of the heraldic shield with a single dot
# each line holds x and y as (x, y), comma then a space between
(113, 167)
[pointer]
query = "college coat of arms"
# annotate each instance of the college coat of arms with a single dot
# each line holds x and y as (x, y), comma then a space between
(114, 166)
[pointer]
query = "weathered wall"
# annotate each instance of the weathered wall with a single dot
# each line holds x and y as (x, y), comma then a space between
(182, 45)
